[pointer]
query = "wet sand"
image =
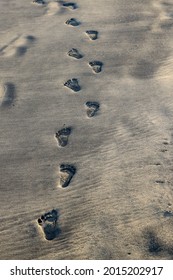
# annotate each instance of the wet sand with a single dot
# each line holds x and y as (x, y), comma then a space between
(86, 121)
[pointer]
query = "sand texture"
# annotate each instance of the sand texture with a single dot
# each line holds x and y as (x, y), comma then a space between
(86, 129)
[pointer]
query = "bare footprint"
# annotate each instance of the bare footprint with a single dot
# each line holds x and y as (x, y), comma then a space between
(73, 85)
(18, 46)
(72, 22)
(92, 34)
(75, 54)
(7, 95)
(48, 222)
(92, 108)
(67, 172)
(70, 5)
(96, 66)
(62, 136)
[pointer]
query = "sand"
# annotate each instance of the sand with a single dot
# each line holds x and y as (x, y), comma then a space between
(118, 202)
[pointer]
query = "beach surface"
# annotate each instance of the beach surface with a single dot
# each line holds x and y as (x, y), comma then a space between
(86, 129)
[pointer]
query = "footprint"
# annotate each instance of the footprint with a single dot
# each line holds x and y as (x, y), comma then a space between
(92, 108)
(70, 5)
(62, 136)
(7, 95)
(67, 172)
(96, 66)
(73, 85)
(40, 2)
(92, 34)
(48, 222)
(75, 54)
(72, 22)
(18, 46)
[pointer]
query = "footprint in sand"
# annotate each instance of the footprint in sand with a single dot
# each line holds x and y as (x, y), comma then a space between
(96, 66)
(18, 46)
(72, 22)
(92, 34)
(75, 54)
(48, 223)
(73, 85)
(67, 172)
(62, 136)
(7, 95)
(92, 108)
(70, 5)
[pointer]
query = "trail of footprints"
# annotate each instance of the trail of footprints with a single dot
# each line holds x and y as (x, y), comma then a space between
(48, 221)
(18, 47)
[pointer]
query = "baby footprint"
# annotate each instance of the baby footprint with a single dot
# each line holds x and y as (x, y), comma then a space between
(73, 85)
(62, 136)
(67, 172)
(92, 108)
(75, 53)
(96, 66)
(70, 5)
(92, 34)
(48, 222)
(72, 22)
